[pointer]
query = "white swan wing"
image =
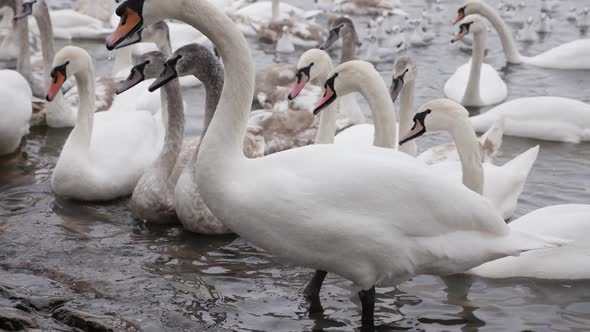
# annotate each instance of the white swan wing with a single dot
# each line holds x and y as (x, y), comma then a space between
(572, 55)
(502, 185)
(545, 118)
(567, 262)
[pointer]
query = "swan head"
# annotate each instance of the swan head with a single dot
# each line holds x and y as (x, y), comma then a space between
(148, 66)
(312, 64)
(133, 14)
(436, 115)
(68, 61)
(404, 70)
(471, 24)
(347, 78)
(340, 27)
(27, 8)
(191, 59)
(470, 7)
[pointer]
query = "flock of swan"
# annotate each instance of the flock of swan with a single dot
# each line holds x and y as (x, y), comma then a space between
(305, 177)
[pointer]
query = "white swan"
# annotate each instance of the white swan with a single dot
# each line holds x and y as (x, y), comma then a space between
(69, 24)
(370, 7)
(317, 65)
(17, 110)
(566, 221)
(305, 33)
(8, 47)
(285, 202)
(573, 55)
(102, 10)
(571, 261)
(403, 85)
(61, 112)
(475, 83)
(503, 185)
(545, 118)
(105, 154)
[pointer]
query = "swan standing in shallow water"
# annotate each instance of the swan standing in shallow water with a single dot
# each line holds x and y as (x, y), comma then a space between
(573, 55)
(408, 224)
(106, 153)
(475, 83)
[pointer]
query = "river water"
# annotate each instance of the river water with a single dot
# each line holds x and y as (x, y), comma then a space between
(99, 259)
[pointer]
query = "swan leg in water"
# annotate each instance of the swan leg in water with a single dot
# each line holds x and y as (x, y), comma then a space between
(312, 290)
(368, 309)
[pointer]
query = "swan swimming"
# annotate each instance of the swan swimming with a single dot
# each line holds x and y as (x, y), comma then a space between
(572, 55)
(106, 153)
(475, 83)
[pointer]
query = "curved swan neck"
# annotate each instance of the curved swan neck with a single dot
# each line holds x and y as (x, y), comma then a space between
(508, 43)
(82, 132)
(406, 116)
(46, 32)
(58, 112)
(224, 140)
(470, 155)
(23, 63)
(472, 92)
(275, 10)
(348, 48)
(327, 126)
(374, 90)
(174, 128)
(213, 87)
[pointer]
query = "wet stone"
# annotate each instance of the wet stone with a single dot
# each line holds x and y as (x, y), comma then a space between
(12, 319)
(92, 323)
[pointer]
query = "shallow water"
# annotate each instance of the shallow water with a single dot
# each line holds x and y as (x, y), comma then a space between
(100, 259)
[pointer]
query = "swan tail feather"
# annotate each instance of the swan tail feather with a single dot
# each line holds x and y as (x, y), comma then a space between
(524, 163)
(523, 242)
(491, 141)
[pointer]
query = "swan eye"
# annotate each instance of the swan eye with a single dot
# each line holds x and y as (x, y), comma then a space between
(59, 69)
(304, 71)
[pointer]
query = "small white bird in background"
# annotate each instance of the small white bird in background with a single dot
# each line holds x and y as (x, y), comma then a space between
(545, 23)
(285, 42)
(549, 5)
(527, 34)
(572, 15)
(583, 21)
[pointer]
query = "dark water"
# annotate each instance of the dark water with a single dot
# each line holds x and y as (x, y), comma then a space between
(101, 260)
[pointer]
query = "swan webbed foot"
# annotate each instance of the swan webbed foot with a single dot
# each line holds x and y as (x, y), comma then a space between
(312, 290)
(368, 306)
